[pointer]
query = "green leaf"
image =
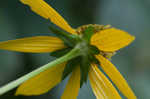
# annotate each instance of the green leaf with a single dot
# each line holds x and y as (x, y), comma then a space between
(60, 52)
(70, 66)
(88, 32)
(93, 49)
(84, 67)
(58, 32)
(69, 39)
(62, 35)
(93, 59)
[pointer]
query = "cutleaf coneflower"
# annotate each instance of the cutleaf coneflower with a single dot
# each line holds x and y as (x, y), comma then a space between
(79, 54)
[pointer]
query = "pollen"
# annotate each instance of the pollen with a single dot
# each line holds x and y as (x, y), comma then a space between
(107, 55)
(96, 27)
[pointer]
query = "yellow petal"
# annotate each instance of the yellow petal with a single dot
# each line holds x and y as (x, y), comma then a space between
(38, 44)
(116, 77)
(43, 9)
(111, 40)
(102, 87)
(43, 82)
(73, 86)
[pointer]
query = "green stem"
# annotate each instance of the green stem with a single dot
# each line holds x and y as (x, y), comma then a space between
(72, 54)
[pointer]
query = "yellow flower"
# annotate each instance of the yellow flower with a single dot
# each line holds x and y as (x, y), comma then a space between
(108, 40)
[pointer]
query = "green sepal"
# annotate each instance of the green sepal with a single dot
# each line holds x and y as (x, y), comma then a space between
(94, 50)
(70, 66)
(87, 33)
(60, 52)
(69, 39)
(84, 68)
(93, 59)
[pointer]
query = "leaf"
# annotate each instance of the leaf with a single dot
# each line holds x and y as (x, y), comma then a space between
(93, 59)
(69, 39)
(70, 67)
(88, 32)
(84, 66)
(93, 49)
(60, 52)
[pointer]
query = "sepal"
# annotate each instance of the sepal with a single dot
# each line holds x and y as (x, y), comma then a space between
(70, 66)
(60, 52)
(87, 33)
(69, 39)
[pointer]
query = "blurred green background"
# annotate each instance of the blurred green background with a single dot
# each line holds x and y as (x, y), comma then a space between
(17, 21)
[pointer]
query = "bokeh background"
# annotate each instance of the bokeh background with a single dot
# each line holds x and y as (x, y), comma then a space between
(16, 21)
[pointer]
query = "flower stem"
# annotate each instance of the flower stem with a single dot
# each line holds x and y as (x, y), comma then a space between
(72, 54)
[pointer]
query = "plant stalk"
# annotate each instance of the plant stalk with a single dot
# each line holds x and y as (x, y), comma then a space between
(72, 54)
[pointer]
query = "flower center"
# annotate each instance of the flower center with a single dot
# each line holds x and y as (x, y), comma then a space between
(87, 51)
(96, 27)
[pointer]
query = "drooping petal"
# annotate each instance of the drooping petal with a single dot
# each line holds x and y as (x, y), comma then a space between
(38, 44)
(116, 77)
(73, 86)
(111, 40)
(43, 82)
(102, 87)
(43, 9)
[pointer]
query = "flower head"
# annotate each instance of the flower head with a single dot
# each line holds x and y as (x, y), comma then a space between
(97, 44)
